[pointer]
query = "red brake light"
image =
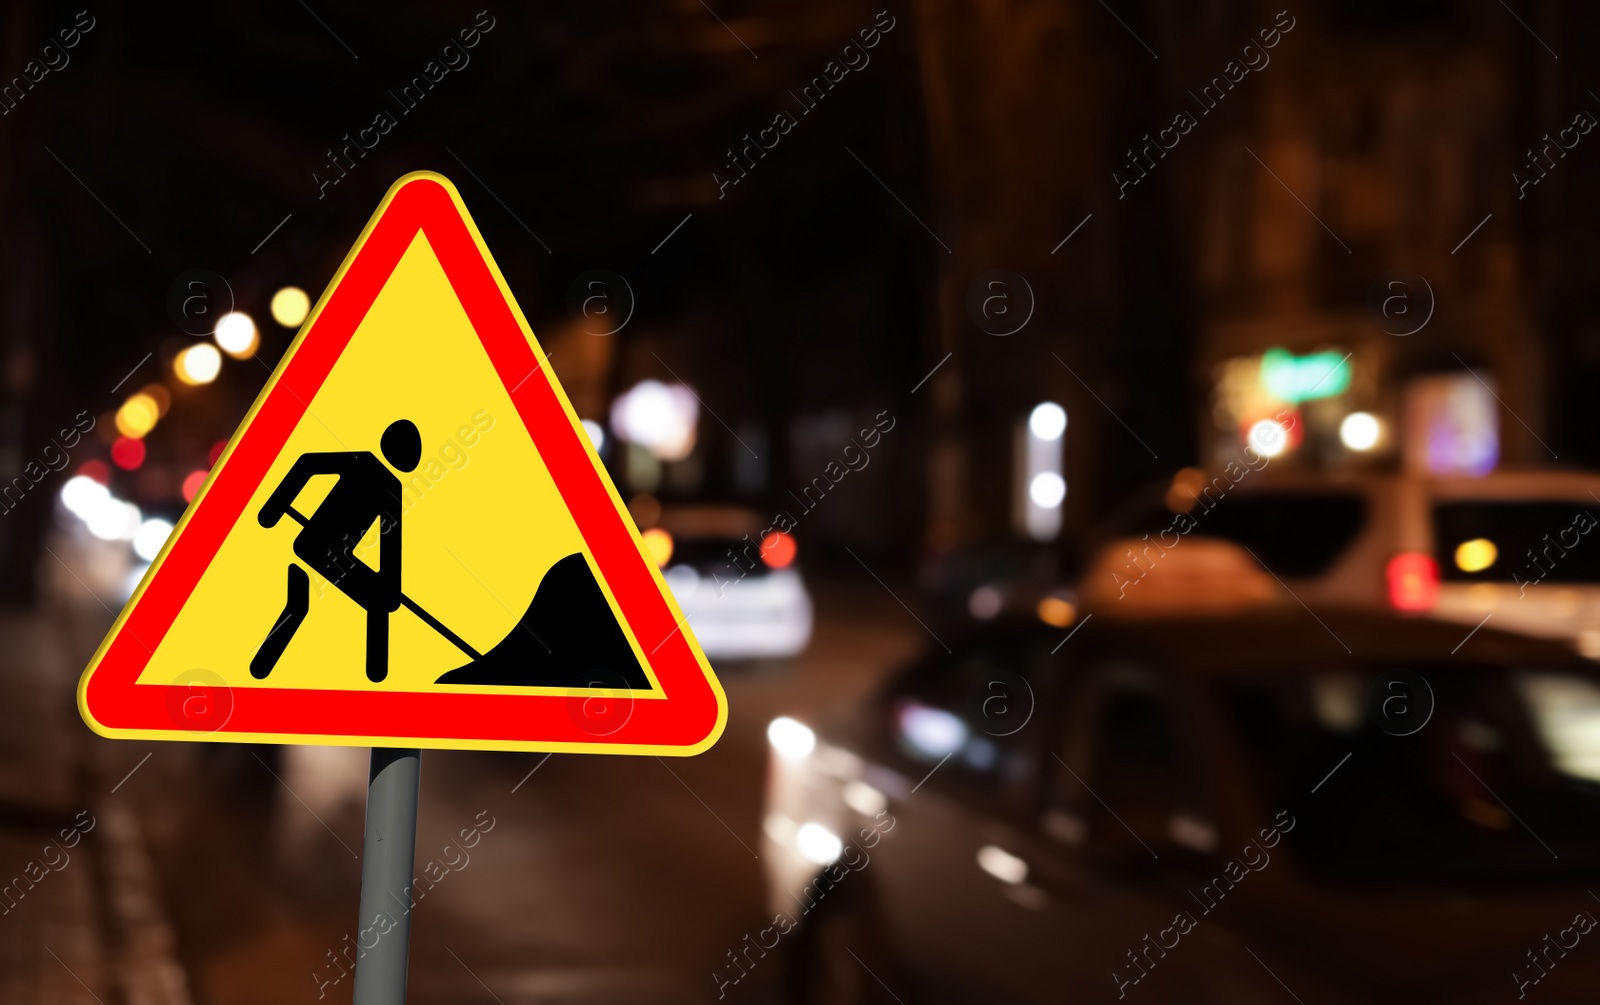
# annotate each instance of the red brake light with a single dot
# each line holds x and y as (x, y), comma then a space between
(777, 549)
(1413, 581)
(127, 453)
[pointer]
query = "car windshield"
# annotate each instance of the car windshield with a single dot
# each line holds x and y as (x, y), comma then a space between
(1295, 534)
(730, 559)
(1500, 786)
(1523, 542)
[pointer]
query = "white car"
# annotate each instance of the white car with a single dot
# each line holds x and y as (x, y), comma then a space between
(736, 582)
(1512, 547)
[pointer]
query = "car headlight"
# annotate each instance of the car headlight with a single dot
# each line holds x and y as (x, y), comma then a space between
(818, 843)
(1002, 865)
(865, 799)
(792, 739)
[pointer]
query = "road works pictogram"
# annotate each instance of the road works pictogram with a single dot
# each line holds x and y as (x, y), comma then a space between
(410, 541)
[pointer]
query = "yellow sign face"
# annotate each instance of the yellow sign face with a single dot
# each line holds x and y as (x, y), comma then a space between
(410, 541)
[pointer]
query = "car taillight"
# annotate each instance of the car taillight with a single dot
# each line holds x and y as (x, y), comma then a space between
(777, 549)
(1413, 581)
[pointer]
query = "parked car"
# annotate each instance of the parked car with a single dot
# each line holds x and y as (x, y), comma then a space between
(736, 580)
(1334, 806)
(1510, 546)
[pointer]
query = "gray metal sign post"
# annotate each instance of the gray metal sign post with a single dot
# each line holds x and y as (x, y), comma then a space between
(388, 857)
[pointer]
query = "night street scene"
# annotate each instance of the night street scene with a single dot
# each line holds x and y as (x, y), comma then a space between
(748, 501)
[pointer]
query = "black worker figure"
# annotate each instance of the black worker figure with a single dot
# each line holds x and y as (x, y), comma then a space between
(366, 491)
(565, 638)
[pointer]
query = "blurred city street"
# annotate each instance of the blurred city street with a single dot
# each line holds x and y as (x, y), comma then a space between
(602, 879)
(839, 504)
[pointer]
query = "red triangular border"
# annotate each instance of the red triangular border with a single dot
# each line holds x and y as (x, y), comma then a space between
(688, 719)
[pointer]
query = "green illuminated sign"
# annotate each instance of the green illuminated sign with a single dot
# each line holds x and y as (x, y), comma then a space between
(1301, 378)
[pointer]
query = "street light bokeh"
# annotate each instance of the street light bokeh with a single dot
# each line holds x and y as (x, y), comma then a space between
(290, 306)
(198, 364)
(236, 335)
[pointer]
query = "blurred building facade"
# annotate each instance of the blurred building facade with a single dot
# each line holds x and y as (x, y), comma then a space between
(828, 284)
(1339, 178)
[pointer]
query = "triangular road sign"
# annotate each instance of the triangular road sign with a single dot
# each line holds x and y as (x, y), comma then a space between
(409, 542)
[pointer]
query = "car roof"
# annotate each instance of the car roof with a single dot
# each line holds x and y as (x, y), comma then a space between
(1511, 485)
(1290, 639)
(710, 521)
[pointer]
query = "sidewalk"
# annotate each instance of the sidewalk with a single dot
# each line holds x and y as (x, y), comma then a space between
(80, 915)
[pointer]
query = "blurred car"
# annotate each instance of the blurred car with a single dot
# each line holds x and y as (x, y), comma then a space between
(736, 580)
(1196, 809)
(1509, 545)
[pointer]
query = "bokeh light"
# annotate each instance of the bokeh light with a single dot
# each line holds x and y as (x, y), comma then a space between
(660, 417)
(1048, 421)
(818, 843)
(114, 520)
(778, 549)
(81, 494)
(1476, 555)
(1185, 489)
(792, 739)
(1360, 431)
(1056, 612)
(138, 415)
(1413, 582)
(198, 364)
(290, 306)
(1047, 489)
(127, 453)
(1268, 438)
(658, 545)
(236, 335)
(985, 602)
(192, 483)
(149, 537)
(106, 516)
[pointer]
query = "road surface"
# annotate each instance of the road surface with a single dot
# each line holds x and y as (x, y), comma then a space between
(591, 879)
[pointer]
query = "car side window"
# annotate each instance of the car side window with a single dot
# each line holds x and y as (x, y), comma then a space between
(1134, 789)
(972, 715)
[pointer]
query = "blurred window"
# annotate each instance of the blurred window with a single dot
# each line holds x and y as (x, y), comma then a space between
(1142, 786)
(1534, 540)
(975, 712)
(1498, 787)
(1566, 711)
(1294, 534)
(1136, 761)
